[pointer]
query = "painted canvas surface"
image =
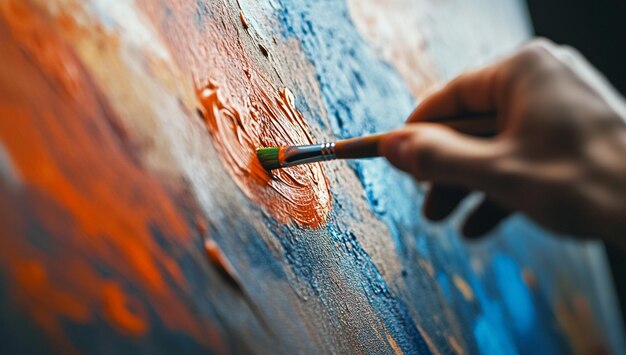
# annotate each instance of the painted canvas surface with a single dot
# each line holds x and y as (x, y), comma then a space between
(136, 218)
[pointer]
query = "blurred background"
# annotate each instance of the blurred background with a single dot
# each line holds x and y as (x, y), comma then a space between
(598, 30)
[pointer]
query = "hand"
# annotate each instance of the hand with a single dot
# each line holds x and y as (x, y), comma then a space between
(559, 155)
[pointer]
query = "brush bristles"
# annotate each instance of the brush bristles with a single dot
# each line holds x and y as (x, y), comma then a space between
(268, 158)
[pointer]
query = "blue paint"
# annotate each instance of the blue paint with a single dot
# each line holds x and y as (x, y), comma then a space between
(16, 331)
(444, 284)
(500, 291)
(491, 329)
(390, 309)
(491, 338)
(361, 93)
(516, 295)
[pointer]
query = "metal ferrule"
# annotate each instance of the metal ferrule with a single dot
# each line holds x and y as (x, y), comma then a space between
(305, 154)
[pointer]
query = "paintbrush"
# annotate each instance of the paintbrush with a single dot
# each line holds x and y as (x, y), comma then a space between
(360, 147)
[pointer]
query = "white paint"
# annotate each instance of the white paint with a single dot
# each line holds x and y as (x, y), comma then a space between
(459, 36)
(130, 24)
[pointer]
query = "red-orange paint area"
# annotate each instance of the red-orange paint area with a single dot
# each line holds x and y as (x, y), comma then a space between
(78, 242)
(298, 194)
(220, 262)
(26, 26)
(123, 311)
(243, 108)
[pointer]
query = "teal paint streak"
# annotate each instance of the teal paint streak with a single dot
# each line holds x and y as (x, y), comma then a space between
(491, 339)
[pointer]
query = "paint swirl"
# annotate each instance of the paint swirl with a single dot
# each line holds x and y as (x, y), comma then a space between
(299, 194)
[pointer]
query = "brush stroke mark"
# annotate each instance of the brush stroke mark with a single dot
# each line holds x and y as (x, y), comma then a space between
(82, 262)
(393, 29)
(299, 194)
(244, 110)
(362, 95)
(345, 286)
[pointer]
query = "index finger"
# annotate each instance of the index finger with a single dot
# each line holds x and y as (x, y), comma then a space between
(471, 93)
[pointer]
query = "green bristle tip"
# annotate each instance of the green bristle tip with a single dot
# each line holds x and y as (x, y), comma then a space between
(268, 158)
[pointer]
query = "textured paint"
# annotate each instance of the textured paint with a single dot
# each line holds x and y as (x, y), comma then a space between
(218, 259)
(454, 345)
(247, 112)
(70, 179)
(298, 194)
(392, 29)
(135, 217)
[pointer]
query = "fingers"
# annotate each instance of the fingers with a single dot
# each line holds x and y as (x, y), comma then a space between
(484, 219)
(470, 93)
(442, 200)
(433, 152)
(484, 90)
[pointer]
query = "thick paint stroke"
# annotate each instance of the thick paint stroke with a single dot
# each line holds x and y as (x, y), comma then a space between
(361, 96)
(81, 181)
(100, 251)
(298, 194)
(244, 111)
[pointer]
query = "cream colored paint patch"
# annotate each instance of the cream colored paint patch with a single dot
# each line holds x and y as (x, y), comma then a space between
(384, 24)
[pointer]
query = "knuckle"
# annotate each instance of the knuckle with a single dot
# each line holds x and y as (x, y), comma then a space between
(533, 53)
(424, 160)
(511, 173)
(540, 44)
(536, 61)
(530, 60)
(568, 54)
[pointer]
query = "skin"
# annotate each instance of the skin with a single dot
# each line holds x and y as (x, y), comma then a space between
(559, 155)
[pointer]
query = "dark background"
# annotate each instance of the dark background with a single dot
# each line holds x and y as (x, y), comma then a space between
(597, 28)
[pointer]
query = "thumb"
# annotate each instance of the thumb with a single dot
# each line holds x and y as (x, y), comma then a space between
(433, 152)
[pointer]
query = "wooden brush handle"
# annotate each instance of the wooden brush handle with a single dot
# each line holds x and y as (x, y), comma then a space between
(359, 147)
(367, 146)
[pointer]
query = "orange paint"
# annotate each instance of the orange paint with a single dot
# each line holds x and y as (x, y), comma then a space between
(201, 225)
(454, 345)
(431, 345)
(243, 111)
(244, 21)
(218, 259)
(85, 189)
(123, 312)
(576, 319)
(298, 194)
(427, 266)
(26, 27)
(396, 348)
(463, 287)
(85, 202)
